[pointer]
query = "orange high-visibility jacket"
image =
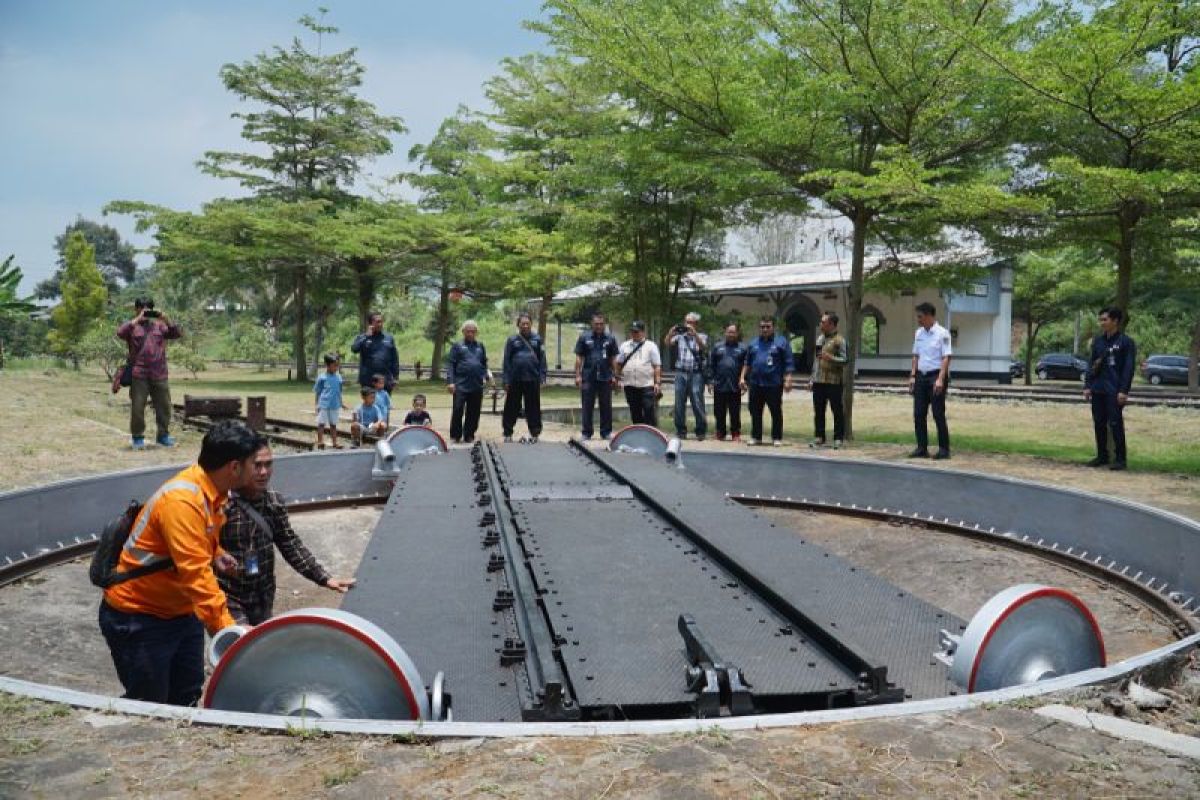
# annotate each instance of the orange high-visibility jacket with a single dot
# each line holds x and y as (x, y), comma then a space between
(181, 521)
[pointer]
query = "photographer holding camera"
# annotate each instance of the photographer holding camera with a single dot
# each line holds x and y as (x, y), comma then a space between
(690, 348)
(146, 337)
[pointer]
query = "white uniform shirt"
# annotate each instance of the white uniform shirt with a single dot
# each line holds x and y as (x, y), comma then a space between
(930, 347)
(638, 371)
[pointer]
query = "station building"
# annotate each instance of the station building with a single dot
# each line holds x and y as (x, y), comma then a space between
(979, 318)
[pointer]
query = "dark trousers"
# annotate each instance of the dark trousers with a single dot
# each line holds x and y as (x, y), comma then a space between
(642, 407)
(590, 391)
(159, 395)
(772, 398)
(728, 404)
(157, 660)
(831, 394)
(924, 399)
(1107, 415)
(464, 414)
(251, 608)
(529, 394)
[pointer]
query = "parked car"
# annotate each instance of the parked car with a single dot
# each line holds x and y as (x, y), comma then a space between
(1016, 368)
(1165, 369)
(1061, 366)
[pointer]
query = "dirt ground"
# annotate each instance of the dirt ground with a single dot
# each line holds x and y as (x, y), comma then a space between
(47, 632)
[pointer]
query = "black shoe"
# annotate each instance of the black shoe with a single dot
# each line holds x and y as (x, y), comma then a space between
(1117, 466)
(941, 455)
(919, 453)
(1097, 462)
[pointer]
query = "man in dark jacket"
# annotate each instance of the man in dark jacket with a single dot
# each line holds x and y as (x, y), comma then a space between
(1109, 378)
(767, 374)
(725, 370)
(466, 372)
(524, 372)
(594, 354)
(377, 354)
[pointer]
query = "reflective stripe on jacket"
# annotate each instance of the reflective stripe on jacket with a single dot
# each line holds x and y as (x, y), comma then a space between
(181, 521)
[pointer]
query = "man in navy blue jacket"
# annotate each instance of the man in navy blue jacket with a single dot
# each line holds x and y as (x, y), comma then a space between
(725, 375)
(466, 372)
(594, 355)
(377, 353)
(767, 373)
(1109, 378)
(524, 373)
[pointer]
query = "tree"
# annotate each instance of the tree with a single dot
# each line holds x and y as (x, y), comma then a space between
(1112, 94)
(871, 107)
(313, 134)
(83, 299)
(114, 257)
(11, 306)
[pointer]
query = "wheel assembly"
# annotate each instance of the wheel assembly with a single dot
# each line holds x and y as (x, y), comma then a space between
(411, 440)
(1024, 634)
(639, 439)
(319, 662)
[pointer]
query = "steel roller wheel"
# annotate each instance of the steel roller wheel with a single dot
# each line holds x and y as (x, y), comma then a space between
(1024, 634)
(416, 439)
(639, 439)
(318, 662)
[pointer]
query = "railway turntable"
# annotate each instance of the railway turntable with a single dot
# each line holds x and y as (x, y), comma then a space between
(559, 583)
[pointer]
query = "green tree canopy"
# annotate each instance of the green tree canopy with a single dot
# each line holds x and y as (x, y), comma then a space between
(114, 257)
(83, 299)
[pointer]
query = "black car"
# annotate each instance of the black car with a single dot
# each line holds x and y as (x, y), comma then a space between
(1165, 369)
(1062, 366)
(1016, 369)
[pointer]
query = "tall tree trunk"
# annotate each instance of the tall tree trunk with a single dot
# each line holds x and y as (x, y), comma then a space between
(1193, 383)
(443, 324)
(300, 294)
(543, 320)
(1126, 221)
(364, 286)
(854, 297)
(1030, 334)
(319, 331)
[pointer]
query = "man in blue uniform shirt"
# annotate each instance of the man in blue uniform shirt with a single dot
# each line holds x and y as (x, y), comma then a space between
(725, 375)
(524, 373)
(377, 353)
(466, 373)
(594, 354)
(1109, 378)
(767, 373)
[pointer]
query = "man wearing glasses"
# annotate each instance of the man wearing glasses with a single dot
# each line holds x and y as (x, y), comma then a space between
(767, 373)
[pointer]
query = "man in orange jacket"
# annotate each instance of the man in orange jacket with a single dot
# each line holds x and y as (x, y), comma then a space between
(155, 624)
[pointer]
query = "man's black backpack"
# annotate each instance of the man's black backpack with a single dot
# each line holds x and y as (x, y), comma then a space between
(103, 569)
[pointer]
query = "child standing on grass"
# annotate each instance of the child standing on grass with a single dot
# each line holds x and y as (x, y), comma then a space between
(418, 415)
(368, 417)
(328, 390)
(382, 398)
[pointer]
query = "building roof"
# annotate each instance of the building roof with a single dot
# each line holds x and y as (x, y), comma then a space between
(785, 277)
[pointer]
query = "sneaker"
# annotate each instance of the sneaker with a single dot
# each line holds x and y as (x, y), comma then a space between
(604, 437)
(752, 442)
(138, 443)
(1117, 466)
(699, 437)
(587, 437)
(919, 453)
(508, 438)
(468, 439)
(533, 439)
(165, 441)
(720, 437)
(737, 437)
(941, 455)
(837, 444)
(777, 442)
(1097, 462)
(817, 443)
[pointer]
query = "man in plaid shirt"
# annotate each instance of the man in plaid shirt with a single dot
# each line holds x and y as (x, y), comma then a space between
(250, 591)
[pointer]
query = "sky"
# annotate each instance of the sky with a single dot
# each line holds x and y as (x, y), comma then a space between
(117, 100)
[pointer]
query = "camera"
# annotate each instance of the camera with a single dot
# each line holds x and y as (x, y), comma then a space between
(150, 313)
(680, 329)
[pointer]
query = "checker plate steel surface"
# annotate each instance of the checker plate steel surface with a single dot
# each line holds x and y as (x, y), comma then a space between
(617, 576)
(423, 579)
(899, 629)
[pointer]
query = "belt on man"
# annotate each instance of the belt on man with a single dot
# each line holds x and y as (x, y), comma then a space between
(927, 373)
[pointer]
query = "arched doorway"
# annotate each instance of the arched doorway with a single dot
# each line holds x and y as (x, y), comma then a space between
(799, 323)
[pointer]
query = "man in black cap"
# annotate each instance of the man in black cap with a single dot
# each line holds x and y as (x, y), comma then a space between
(639, 368)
